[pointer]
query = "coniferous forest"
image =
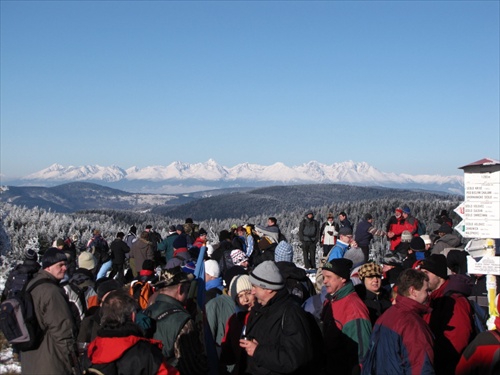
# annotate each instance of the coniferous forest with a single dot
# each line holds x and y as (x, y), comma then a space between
(22, 228)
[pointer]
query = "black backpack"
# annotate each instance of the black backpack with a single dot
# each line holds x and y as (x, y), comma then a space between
(18, 320)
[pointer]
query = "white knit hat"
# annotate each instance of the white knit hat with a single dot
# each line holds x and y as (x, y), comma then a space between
(426, 238)
(267, 276)
(212, 268)
(86, 260)
(239, 284)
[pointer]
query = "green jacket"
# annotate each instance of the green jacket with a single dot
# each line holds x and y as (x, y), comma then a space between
(170, 318)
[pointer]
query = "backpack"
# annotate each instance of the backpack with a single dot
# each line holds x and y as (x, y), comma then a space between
(479, 317)
(421, 228)
(17, 281)
(141, 291)
(18, 320)
(309, 229)
(100, 249)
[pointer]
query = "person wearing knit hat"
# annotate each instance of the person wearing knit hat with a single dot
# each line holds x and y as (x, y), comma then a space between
(283, 252)
(86, 260)
(376, 298)
(416, 252)
(31, 255)
(239, 258)
(427, 241)
(267, 276)
(436, 264)
(277, 338)
(27, 269)
(446, 239)
(53, 256)
(213, 280)
(451, 316)
(344, 311)
(51, 307)
(240, 291)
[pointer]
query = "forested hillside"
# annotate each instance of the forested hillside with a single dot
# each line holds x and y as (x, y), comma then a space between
(291, 198)
(36, 228)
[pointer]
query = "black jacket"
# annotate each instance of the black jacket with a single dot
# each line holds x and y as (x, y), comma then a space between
(285, 341)
(118, 250)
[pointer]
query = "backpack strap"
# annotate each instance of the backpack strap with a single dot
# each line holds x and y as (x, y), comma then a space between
(37, 283)
(168, 312)
(496, 334)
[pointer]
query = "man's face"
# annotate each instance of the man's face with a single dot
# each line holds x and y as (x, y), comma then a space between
(332, 282)
(262, 295)
(346, 239)
(270, 223)
(310, 216)
(434, 281)
(397, 214)
(405, 215)
(341, 217)
(422, 295)
(57, 270)
(373, 284)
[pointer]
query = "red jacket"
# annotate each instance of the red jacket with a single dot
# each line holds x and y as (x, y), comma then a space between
(482, 356)
(451, 323)
(130, 355)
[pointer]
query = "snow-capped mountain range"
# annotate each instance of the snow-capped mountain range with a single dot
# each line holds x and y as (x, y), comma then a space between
(179, 175)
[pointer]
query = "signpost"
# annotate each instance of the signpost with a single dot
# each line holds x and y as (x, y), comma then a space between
(481, 219)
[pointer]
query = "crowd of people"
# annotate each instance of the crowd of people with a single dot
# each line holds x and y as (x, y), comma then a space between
(240, 305)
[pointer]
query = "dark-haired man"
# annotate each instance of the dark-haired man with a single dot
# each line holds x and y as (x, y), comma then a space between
(401, 342)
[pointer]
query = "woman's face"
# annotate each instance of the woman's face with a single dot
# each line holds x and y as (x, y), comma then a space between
(373, 284)
(246, 299)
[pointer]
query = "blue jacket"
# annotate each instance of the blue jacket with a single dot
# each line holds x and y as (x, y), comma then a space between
(401, 341)
(338, 250)
(362, 236)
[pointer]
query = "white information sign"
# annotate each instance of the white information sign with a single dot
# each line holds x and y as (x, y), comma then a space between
(482, 205)
(488, 265)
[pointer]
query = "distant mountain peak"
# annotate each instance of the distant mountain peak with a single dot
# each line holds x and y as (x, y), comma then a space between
(244, 174)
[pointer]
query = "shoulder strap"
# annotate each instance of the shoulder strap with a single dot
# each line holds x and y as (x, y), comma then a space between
(496, 334)
(37, 283)
(168, 312)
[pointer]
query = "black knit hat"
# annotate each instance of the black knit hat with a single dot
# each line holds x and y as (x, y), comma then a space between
(107, 286)
(341, 267)
(417, 244)
(30, 254)
(53, 256)
(436, 264)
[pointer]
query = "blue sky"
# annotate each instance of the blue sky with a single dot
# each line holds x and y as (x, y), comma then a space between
(407, 86)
